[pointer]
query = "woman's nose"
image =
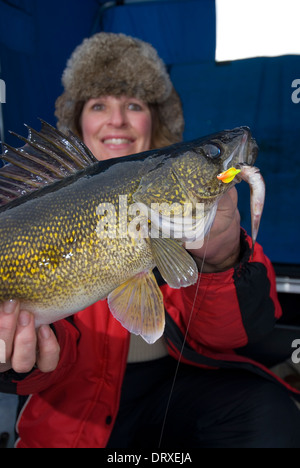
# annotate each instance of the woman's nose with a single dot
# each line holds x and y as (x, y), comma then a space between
(118, 117)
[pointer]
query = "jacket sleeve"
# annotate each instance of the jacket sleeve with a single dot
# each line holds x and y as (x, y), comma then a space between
(36, 381)
(230, 309)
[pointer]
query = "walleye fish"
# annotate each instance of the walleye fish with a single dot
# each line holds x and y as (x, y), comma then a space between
(74, 230)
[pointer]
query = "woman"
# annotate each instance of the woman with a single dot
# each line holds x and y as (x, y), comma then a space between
(94, 385)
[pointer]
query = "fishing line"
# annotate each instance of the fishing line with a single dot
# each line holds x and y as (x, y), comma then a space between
(183, 344)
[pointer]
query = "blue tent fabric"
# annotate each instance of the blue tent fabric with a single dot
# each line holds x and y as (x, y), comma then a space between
(12, 19)
(33, 73)
(183, 32)
(36, 39)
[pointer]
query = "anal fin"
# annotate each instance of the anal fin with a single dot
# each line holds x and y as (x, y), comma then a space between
(138, 305)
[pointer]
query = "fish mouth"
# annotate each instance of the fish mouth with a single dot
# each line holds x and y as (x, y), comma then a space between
(248, 149)
(243, 148)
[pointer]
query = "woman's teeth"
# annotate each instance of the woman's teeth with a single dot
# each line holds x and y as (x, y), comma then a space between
(116, 141)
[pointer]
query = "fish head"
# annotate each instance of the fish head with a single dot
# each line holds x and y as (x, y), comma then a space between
(198, 169)
(181, 190)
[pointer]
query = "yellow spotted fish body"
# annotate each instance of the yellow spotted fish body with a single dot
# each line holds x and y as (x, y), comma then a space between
(74, 230)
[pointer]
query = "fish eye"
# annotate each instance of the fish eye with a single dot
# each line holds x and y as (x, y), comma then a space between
(212, 151)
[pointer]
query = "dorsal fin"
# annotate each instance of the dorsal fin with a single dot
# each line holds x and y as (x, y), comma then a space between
(46, 157)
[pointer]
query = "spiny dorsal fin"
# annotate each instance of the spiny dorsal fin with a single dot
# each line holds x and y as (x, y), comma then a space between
(46, 157)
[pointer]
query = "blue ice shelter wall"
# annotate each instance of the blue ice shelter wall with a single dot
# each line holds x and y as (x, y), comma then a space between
(37, 37)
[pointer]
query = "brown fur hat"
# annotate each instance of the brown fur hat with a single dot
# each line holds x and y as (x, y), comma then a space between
(115, 64)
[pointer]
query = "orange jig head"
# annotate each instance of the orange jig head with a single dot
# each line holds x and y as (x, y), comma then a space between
(228, 175)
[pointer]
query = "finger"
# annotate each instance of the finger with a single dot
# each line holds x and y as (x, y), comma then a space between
(229, 200)
(49, 349)
(233, 193)
(9, 312)
(24, 353)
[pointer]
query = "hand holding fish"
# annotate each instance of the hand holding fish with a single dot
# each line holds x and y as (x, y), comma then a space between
(22, 340)
(221, 247)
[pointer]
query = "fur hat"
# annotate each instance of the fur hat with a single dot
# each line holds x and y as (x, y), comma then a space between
(115, 64)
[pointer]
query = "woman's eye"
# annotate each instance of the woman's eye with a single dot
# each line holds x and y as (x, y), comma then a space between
(134, 106)
(212, 151)
(98, 107)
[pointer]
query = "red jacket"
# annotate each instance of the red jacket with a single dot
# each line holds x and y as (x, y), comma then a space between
(76, 405)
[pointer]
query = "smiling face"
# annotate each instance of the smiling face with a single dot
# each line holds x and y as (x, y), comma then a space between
(116, 126)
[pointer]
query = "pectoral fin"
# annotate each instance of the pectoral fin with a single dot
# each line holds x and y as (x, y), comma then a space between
(175, 264)
(138, 305)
